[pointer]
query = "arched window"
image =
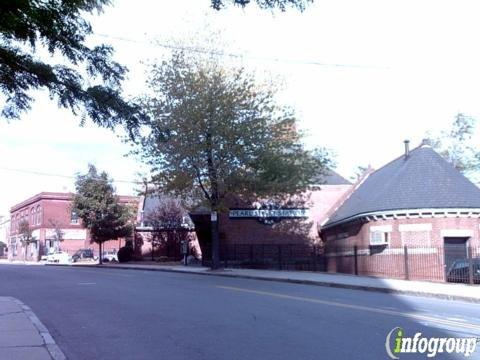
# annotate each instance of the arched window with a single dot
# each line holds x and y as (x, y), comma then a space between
(39, 215)
(32, 216)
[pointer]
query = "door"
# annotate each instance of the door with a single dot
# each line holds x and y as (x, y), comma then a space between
(455, 250)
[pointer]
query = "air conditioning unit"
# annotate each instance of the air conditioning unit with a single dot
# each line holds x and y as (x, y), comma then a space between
(379, 238)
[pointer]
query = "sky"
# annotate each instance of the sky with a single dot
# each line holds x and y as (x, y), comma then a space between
(361, 75)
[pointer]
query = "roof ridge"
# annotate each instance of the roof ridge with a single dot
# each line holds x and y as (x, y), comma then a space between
(423, 180)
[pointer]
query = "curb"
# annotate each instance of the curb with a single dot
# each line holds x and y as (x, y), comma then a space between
(298, 281)
(55, 352)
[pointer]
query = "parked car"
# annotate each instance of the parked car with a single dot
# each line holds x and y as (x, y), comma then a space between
(60, 257)
(83, 255)
(110, 255)
(459, 272)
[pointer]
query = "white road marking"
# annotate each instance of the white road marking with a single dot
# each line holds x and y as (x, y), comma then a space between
(412, 316)
(103, 273)
(87, 283)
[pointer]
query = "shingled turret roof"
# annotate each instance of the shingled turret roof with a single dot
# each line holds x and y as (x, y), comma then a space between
(421, 180)
(331, 178)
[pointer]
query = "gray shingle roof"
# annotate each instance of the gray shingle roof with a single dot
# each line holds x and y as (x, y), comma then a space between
(331, 178)
(424, 180)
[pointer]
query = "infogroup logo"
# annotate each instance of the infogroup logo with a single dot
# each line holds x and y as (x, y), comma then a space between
(397, 343)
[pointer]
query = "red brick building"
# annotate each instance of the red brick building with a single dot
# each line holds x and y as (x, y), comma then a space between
(296, 225)
(258, 230)
(46, 212)
(412, 218)
(287, 228)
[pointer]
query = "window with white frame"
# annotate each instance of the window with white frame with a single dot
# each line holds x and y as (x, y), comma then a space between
(380, 235)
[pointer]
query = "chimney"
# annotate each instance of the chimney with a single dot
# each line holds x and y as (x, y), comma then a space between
(407, 148)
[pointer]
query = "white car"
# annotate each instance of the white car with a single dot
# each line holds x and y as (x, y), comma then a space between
(109, 256)
(60, 257)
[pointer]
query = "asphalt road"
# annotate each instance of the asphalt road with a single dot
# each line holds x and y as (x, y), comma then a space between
(127, 314)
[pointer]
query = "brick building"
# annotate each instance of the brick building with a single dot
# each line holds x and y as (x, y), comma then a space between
(46, 212)
(412, 218)
(268, 226)
(241, 224)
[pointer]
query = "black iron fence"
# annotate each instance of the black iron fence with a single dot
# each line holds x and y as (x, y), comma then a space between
(447, 263)
(269, 256)
(450, 263)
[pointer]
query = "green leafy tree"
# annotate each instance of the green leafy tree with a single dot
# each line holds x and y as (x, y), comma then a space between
(99, 208)
(58, 233)
(215, 130)
(85, 79)
(456, 144)
(26, 236)
(264, 4)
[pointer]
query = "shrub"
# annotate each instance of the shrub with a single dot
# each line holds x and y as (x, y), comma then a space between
(125, 254)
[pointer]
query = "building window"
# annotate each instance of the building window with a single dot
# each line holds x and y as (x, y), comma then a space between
(380, 235)
(74, 218)
(32, 216)
(379, 238)
(39, 215)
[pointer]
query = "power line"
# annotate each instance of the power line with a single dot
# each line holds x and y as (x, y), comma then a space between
(39, 173)
(240, 56)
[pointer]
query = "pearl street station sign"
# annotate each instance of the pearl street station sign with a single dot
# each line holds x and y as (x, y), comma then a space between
(268, 216)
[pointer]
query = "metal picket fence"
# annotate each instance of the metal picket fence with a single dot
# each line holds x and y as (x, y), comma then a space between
(447, 263)
(459, 264)
(269, 256)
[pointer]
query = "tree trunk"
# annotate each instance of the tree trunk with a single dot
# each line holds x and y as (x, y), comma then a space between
(100, 261)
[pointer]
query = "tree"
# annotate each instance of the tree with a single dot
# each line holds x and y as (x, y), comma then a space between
(215, 130)
(456, 144)
(58, 233)
(97, 205)
(360, 172)
(264, 4)
(86, 79)
(26, 236)
(169, 221)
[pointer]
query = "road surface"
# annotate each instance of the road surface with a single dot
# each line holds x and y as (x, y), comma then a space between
(129, 314)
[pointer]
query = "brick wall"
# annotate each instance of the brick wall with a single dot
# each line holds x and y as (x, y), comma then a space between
(56, 208)
(424, 238)
(287, 231)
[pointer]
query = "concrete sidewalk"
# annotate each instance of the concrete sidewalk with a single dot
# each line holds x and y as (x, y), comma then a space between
(470, 293)
(22, 335)
(20, 262)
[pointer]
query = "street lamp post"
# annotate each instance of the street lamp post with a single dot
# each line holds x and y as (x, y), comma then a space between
(215, 241)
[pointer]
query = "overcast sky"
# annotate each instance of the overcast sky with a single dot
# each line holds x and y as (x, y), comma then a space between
(362, 75)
